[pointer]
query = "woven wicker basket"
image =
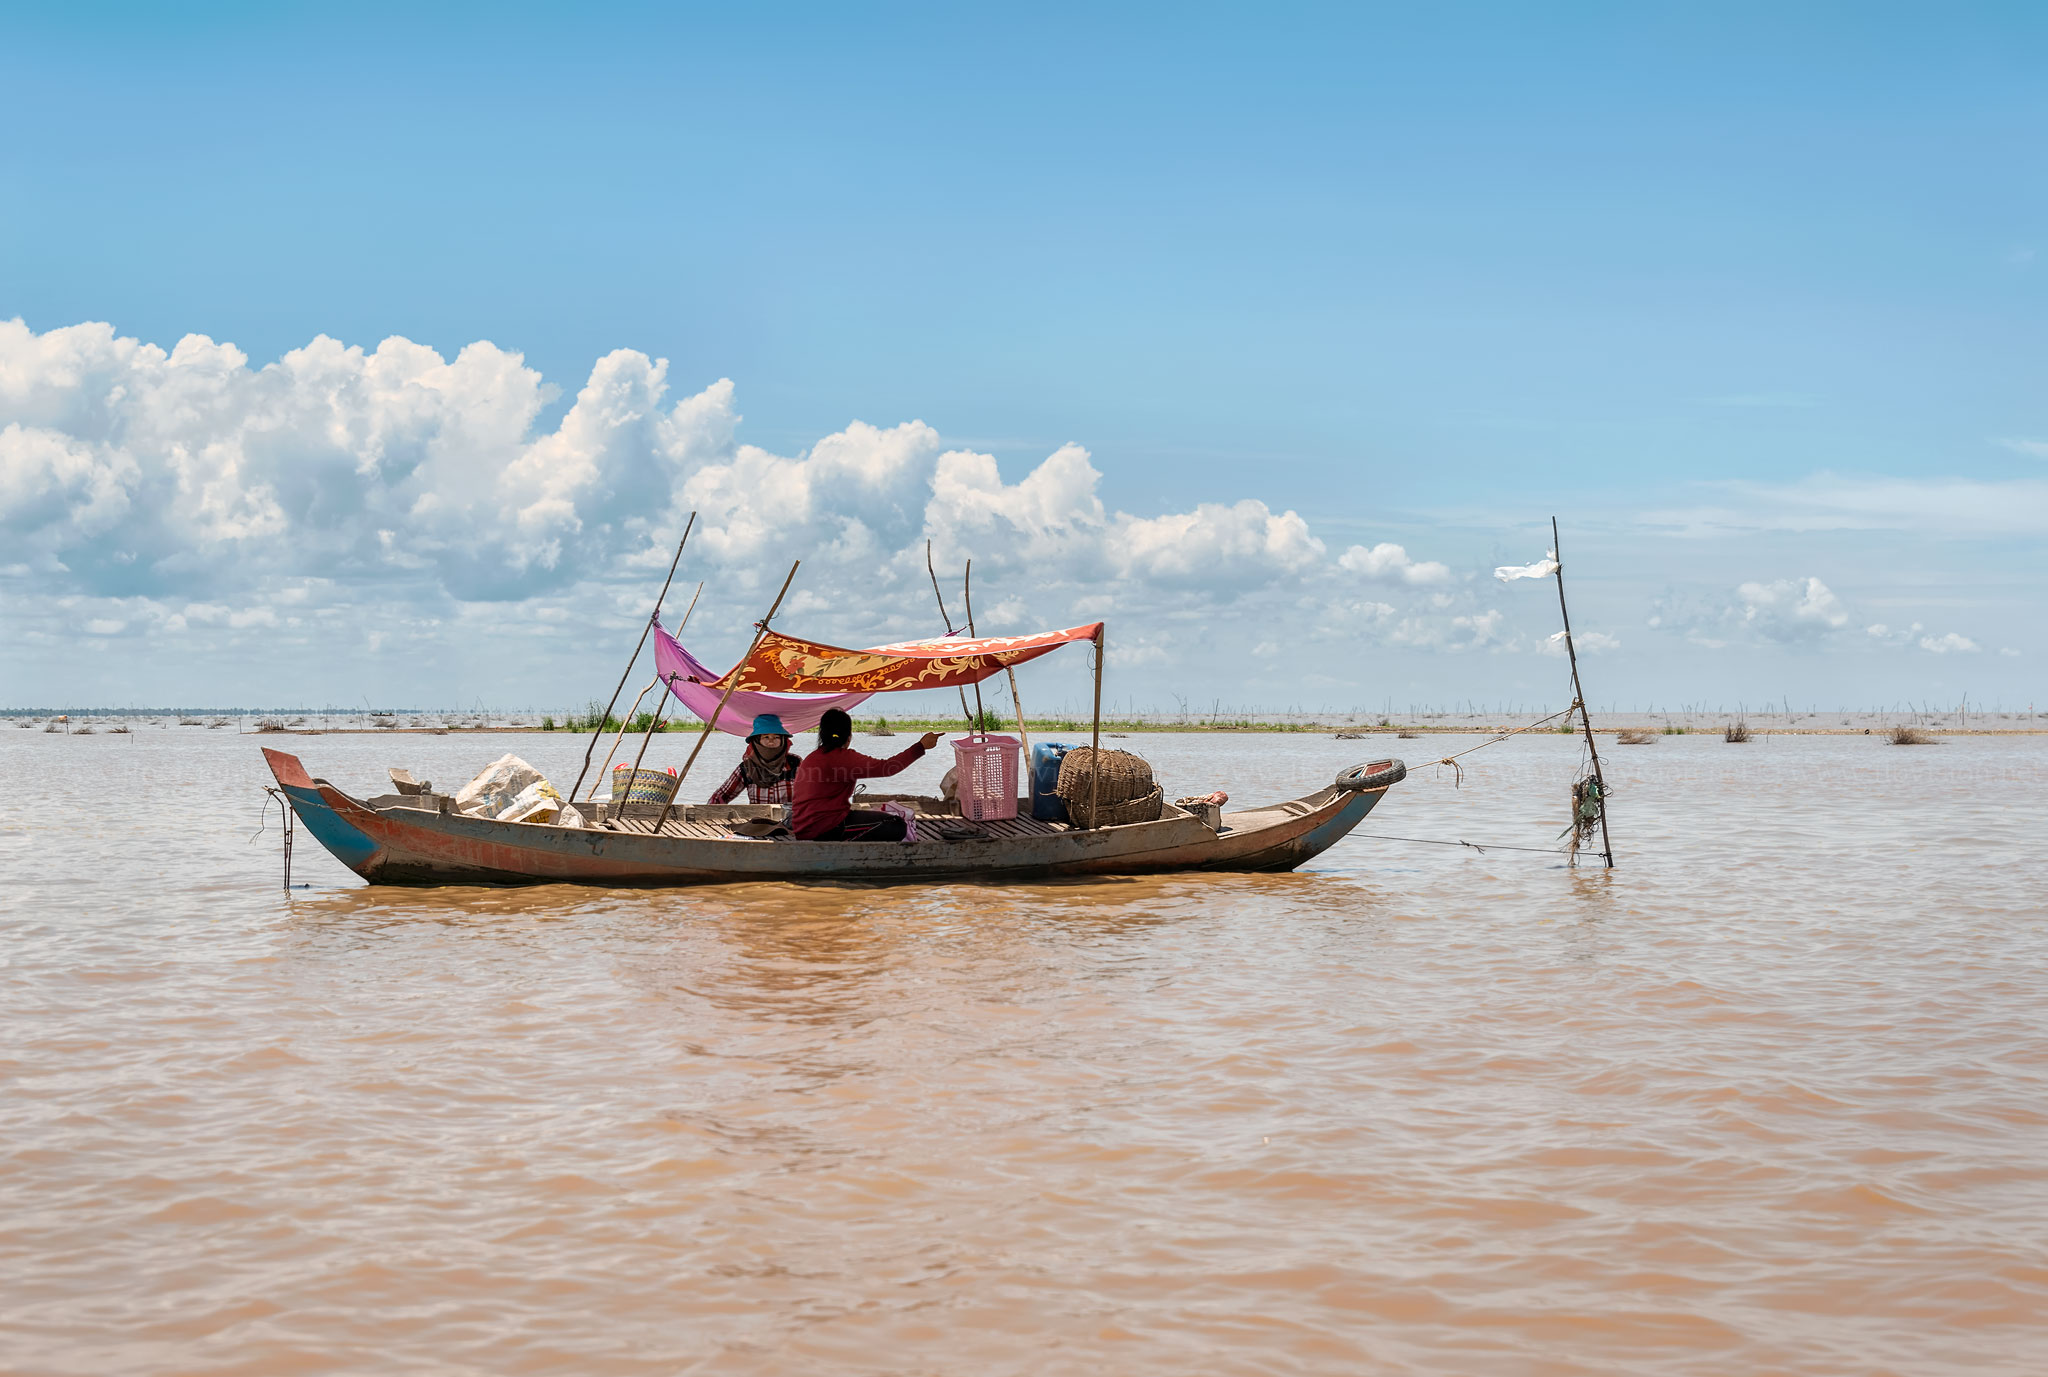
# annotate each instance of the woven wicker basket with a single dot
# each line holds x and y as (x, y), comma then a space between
(649, 786)
(1124, 777)
(1124, 794)
(1145, 808)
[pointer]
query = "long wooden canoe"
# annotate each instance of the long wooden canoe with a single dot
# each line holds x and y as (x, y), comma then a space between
(421, 840)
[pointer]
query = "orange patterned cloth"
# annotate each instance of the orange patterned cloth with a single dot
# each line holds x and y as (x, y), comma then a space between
(783, 664)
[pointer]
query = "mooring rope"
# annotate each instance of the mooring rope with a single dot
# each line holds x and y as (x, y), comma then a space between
(1481, 847)
(1458, 771)
(285, 821)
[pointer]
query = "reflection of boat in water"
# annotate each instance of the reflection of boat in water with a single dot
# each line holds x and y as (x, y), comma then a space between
(421, 839)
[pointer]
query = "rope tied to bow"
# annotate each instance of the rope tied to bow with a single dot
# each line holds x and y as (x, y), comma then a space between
(1458, 771)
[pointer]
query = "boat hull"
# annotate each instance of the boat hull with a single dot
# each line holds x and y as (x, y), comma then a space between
(409, 845)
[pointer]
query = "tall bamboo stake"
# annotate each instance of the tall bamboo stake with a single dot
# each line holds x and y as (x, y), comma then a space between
(1095, 739)
(620, 735)
(947, 618)
(733, 682)
(967, 592)
(1023, 732)
(591, 749)
(1017, 701)
(1579, 692)
(684, 624)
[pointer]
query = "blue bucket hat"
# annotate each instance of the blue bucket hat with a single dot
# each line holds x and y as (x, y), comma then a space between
(767, 724)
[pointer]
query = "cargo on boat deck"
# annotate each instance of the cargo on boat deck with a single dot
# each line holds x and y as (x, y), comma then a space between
(985, 783)
(1046, 803)
(1123, 793)
(510, 790)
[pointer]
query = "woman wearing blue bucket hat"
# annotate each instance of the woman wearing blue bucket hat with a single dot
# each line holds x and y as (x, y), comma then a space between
(767, 768)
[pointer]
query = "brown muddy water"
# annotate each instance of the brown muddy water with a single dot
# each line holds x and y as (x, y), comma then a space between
(1771, 1097)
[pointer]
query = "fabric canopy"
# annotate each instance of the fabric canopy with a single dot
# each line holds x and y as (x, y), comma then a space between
(782, 664)
(690, 680)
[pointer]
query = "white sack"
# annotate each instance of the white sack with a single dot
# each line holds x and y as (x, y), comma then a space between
(492, 792)
(537, 802)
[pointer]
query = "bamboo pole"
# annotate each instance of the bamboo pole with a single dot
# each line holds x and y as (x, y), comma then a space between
(1015, 700)
(1095, 740)
(660, 714)
(654, 722)
(1023, 732)
(620, 735)
(947, 618)
(1579, 692)
(591, 749)
(967, 592)
(733, 682)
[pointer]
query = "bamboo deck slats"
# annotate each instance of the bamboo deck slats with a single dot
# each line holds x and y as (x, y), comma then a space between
(934, 825)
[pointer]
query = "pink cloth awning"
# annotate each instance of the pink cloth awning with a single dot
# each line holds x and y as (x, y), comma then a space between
(783, 664)
(691, 681)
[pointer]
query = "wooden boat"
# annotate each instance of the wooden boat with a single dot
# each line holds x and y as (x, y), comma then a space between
(419, 839)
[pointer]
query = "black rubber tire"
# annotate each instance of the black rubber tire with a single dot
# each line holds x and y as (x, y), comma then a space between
(1378, 775)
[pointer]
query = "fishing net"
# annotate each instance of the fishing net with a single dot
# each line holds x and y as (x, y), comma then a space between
(1586, 803)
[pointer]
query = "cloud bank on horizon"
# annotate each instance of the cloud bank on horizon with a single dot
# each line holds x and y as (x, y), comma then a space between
(393, 498)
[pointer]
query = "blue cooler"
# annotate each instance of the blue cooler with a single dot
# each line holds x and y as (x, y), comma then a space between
(1046, 804)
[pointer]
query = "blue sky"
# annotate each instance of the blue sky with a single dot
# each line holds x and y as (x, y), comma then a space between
(1751, 299)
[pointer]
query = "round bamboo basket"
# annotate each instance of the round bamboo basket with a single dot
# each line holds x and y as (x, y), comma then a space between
(1145, 808)
(1124, 776)
(649, 786)
(1124, 794)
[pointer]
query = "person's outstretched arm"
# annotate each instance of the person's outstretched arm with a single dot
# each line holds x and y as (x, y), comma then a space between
(901, 761)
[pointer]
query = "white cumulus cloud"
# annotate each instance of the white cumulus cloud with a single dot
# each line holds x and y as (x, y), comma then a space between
(1391, 562)
(190, 491)
(1791, 609)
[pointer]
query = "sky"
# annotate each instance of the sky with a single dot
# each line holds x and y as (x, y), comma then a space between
(378, 356)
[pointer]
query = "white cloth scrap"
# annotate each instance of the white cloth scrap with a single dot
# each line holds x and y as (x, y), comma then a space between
(1541, 569)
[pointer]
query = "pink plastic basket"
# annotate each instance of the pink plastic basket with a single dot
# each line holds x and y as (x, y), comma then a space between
(986, 770)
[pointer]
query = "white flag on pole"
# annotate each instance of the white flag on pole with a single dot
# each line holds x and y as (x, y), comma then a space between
(1541, 569)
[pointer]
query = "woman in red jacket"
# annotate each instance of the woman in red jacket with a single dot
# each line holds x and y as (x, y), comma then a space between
(824, 783)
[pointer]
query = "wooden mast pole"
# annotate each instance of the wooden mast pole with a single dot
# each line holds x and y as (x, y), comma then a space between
(947, 618)
(732, 682)
(1095, 738)
(591, 749)
(1579, 692)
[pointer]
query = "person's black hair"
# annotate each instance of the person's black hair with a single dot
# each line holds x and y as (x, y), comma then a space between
(835, 729)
